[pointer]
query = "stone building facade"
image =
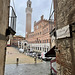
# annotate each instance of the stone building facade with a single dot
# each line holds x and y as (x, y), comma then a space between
(23, 44)
(14, 41)
(65, 15)
(5, 30)
(3, 26)
(39, 40)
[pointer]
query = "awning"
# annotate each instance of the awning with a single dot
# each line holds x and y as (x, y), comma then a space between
(51, 53)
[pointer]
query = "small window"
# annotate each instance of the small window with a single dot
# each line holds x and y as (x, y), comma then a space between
(47, 29)
(40, 48)
(47, 40)
(47, 49)
(22, 47)
(43, 41)
(37, 27)
(40, 26)
(36, 48)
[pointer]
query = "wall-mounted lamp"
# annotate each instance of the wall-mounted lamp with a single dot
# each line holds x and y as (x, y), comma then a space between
(57, 50)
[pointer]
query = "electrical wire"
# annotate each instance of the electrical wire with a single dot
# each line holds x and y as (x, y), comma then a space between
(51, 16)
(13, 4)
(51, 12)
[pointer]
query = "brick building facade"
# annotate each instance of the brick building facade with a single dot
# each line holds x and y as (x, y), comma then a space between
(65, 15)
(39, 40)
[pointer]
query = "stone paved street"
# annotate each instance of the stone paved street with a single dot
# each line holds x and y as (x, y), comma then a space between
(26, 64)
(12, 53)
(28, 69)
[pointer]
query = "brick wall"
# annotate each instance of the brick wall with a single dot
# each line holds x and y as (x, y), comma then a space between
(41, 32)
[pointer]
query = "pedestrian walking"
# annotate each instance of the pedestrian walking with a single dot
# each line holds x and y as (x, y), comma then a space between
(35, 59)
(41, 60)
(17, 61)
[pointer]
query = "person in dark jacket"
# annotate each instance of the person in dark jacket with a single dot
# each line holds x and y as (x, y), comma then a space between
(17, 61)
(35, 59)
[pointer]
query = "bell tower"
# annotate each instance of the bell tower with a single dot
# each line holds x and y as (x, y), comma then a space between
(28, 17)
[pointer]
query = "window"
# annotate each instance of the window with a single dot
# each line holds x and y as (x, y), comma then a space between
(37, 41)
(40, 26)
(47, 40)
(47, 49)
(36, 48)
(40, 48)
(37, 27)
(47, 29)
(43, 41)
(29, 5)
(43, 49)
(22, 46)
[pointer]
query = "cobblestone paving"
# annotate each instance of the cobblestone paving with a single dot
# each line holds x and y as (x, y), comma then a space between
(28, 69)
(26, 64)
(13, 53)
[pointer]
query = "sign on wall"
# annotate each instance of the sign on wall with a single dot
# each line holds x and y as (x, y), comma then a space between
(63, 32)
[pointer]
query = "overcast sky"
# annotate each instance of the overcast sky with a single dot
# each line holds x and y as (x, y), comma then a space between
(39, 8)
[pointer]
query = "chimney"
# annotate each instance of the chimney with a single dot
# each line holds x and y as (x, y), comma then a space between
(42, 17)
